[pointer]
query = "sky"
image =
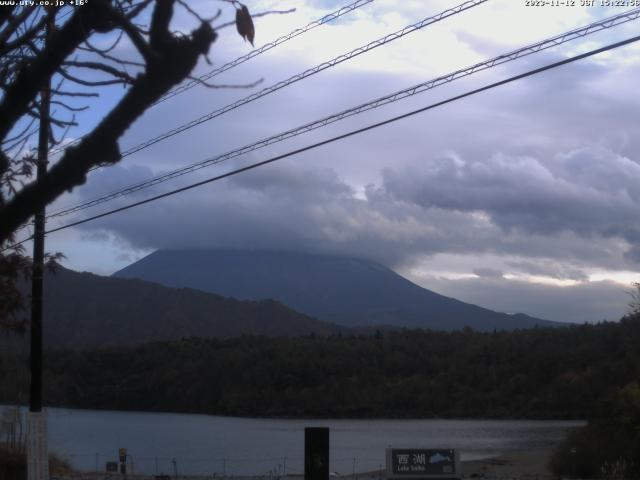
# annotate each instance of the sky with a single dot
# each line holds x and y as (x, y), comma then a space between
(525, 198)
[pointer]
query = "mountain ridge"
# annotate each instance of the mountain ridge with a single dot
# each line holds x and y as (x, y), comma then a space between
(343, 290)
(87, 310)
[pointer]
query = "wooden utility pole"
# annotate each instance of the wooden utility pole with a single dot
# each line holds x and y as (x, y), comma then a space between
(37, 452)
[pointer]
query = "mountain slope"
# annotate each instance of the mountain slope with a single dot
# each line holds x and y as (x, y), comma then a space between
(343, 290)
(86, 310)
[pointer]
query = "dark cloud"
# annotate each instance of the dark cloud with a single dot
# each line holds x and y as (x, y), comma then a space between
(587, 192)
(446, 206)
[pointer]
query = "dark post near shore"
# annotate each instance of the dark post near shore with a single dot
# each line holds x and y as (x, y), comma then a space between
(316, 453)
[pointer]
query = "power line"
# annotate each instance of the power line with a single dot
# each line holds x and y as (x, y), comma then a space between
(335, 61)
(234, 63)
(346, 135)
(407, 92)
(307, 73)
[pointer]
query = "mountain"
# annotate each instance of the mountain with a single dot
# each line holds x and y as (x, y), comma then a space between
(346, 291)
(85, 310)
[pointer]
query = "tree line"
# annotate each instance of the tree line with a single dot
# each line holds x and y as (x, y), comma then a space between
(534, 373)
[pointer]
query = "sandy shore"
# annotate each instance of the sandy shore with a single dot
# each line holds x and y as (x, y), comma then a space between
(530, 465)
(521, 465)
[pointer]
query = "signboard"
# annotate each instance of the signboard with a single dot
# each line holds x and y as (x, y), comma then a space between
(423, 463)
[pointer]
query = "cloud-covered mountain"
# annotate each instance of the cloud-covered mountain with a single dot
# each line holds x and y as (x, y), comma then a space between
(546, 192)
(343, 290)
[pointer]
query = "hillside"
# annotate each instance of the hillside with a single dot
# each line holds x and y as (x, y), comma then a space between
(86, 310)
(343, 290)
(536, 373)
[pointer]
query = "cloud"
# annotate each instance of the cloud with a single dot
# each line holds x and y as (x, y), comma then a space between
(585, 302)
(588, 192)
(488, 272)
(510, 206)
(549, 269)
(283, 208)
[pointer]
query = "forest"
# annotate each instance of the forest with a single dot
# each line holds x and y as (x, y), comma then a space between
(609, 445)
(536, 373)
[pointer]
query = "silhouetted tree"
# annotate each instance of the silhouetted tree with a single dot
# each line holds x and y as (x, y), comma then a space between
(58, 46)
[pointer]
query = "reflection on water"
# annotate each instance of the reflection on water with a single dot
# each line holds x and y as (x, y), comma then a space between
(205, 444)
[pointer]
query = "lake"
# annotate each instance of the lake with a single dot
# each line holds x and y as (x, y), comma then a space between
(206, 444)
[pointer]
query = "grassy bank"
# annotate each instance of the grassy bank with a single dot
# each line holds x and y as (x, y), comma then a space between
(13, 463)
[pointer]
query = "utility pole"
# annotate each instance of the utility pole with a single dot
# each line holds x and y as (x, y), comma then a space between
(37, 452)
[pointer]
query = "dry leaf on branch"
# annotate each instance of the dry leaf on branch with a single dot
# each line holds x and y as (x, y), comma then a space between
(244, 24)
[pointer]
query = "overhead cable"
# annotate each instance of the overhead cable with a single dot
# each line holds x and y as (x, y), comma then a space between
(346, 135)
(307, 73)
(234, 63)
(266, 47)
(394, 97)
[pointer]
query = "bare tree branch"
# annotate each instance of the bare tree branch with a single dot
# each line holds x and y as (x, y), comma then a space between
(125, 77)
(94, 49)
(26, 36)
(20, 133)
(91, 83)
(172, 61)
(66, 93)
(116, 60)
(28, 63)
(69, 107)
(32, 77)
(13, 24)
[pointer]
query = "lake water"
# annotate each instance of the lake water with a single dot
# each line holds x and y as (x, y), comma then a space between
(205, 444)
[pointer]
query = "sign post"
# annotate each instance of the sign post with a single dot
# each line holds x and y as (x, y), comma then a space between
(316, 453)
(122, 454)
(423, 463)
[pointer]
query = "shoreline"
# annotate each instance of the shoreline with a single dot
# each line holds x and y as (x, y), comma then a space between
(328, 416)
(517, 465)
(520, 464)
